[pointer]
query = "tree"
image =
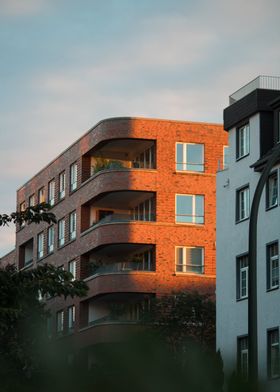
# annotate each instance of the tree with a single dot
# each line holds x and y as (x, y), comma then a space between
(34, 214)
(23, 316)
(185, 316)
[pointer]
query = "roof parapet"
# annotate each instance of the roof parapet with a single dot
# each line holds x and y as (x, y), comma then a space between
(262, 82)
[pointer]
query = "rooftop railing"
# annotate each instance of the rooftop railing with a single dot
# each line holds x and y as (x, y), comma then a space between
(262, 82)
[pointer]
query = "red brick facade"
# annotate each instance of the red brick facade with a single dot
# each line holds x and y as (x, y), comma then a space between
(162, 182)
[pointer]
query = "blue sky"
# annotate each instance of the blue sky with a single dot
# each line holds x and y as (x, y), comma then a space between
(66, 64)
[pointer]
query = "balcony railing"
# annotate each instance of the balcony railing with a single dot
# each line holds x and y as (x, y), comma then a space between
(263, 82)
(120, 165)
(121, 267)
(123, 218)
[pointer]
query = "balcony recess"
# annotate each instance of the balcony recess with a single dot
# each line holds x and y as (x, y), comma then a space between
(119, 154)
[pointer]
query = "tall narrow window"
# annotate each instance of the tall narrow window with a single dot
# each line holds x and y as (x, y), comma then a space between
(61, 232)
(273, 357)
(73, 225)
(41, 195)
(71, 317)
(190, 259)
(72, 268)
(61, 193)
(22, 208)
(225, 157)
(31, 201)
(51, 192)
(60, 321)
(272, 266)
(242, 276)
(242, 141)
(50, 239)
(40, 245)
(242, 360)
(272, 190)
(190, 209)
(190, 157)
(73, 176)
(242, 204)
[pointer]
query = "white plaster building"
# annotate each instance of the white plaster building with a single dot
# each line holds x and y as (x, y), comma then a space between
(253, 122)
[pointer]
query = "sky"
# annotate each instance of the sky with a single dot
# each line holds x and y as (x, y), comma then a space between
(67, 64)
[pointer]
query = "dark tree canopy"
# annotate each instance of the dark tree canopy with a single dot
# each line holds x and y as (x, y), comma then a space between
(34, 214)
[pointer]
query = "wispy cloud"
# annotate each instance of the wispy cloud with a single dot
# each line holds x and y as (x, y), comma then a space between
(21, 7)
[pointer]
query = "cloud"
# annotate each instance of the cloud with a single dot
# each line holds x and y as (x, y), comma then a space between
(21, 7)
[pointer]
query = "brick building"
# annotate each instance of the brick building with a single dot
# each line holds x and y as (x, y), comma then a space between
(136, 209)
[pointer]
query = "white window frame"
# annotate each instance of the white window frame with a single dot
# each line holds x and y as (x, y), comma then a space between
(72, 268)
(50, 239)
(41, 195)
(193, 216)
(31, 200)
(40, 245)
(61, 232)
(71, 317)
(185, 266)
(243, 356)
(225, 165)
(51, 192)
(60, 321)
(270, 261)
(73, 176)
(242, 270)
(243, 141)
(271, 189)
(185, 162)
(272, 345)
(62, 178)
(243, 203)
(73, 225)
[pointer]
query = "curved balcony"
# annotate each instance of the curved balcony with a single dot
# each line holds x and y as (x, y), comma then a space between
(118, 154)
(118, 207)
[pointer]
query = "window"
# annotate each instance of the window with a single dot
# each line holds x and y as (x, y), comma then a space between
(51, 192)
(225, 157)
(145, 211)
(50, 239)
(72, 225)
(61, 193)
(60, 321)
(272, 190)
(242, 276)
(40, 245)
(145, 160)
(190, 209)
(272, 266)
(41, 195)
(273, 353)
(190, 157)
(73, 176)
(61, 232)
(71, 317)
(242, 204)
(22, 208)
(190, 259)
(242, 141)
(242, 352)
(72, 268)
(31, 201)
